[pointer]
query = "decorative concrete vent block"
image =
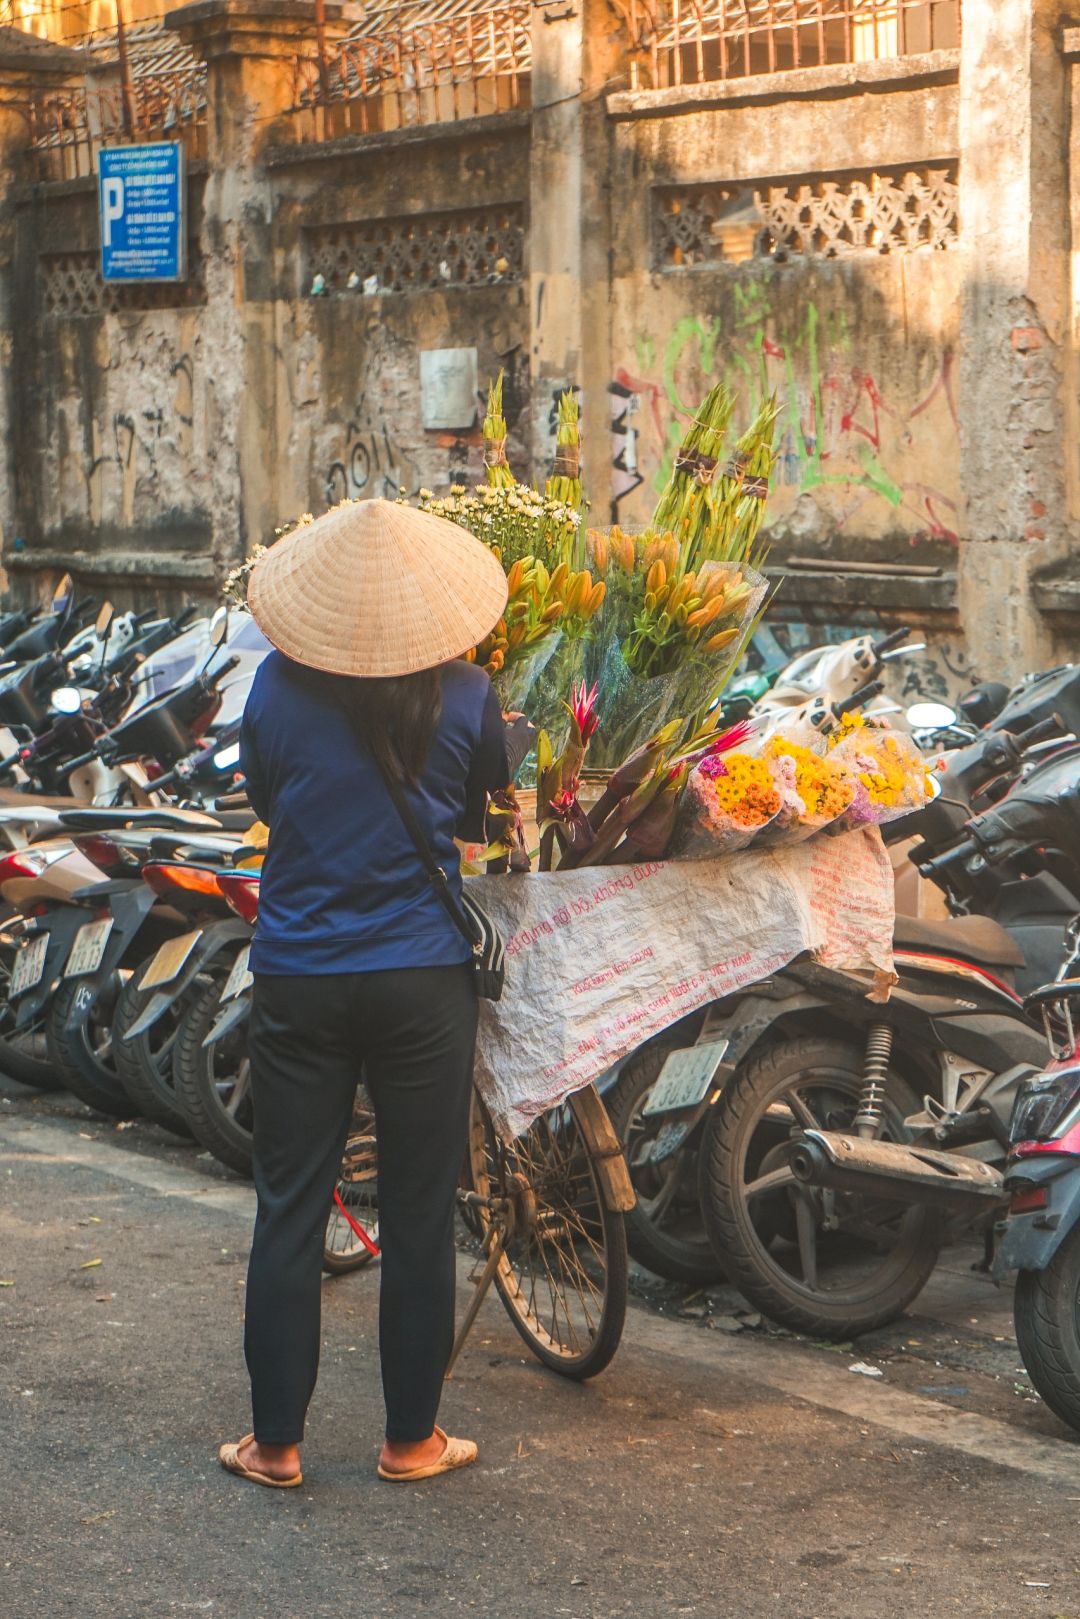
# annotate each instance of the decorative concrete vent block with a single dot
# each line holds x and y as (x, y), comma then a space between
(826, 216)
(70, 285)
(468, 247)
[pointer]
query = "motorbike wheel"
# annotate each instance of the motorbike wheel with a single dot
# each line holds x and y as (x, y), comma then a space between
(830, 1264)
(24, 1056)
(213, 1083)
(664, 1231)
(78, 1027)
(1047, 1316)
(144, 1064)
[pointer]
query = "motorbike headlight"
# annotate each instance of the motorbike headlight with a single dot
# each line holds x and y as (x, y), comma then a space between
(1042, 1104)
(66, 699)
(226, 758)
(930, 716)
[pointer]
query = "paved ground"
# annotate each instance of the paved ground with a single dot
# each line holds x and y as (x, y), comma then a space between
(714, 1470)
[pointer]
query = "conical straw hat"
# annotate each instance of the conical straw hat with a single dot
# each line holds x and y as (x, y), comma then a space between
(376, 589)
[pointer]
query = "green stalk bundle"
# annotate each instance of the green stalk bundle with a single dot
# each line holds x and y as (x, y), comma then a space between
(565, 482)
(685, 507)
(496, 468)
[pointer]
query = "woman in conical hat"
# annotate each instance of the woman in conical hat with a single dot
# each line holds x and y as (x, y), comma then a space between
(357, 964)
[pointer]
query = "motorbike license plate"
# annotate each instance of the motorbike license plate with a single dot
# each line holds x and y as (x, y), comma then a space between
(88, 948)
(685, 1077)
(240, 978)
(29, 966)
(170, 960)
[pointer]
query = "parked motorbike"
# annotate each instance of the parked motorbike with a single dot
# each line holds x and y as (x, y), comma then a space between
(1040, 1237)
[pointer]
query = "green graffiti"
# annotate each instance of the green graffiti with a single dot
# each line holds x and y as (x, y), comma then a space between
(758, 349)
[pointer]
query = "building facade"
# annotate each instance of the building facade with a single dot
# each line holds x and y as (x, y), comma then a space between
(864, 206)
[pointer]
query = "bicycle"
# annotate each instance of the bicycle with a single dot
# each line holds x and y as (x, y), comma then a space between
(547, 1214)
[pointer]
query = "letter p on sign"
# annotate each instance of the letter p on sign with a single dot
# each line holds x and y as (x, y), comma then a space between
(112, 207)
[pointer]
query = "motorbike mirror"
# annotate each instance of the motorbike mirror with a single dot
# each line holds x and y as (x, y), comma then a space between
(103, 622)
(62, 595)
(66, 700)
(219, 627)
(930, 716)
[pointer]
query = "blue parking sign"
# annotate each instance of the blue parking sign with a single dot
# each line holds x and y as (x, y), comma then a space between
(141, 199)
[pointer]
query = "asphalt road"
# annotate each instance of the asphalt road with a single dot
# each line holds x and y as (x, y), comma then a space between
(715, 1470)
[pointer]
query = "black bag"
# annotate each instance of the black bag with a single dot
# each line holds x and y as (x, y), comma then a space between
(471, 921)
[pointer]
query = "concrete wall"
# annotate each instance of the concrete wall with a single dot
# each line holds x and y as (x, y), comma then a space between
(114, 442)
(859, 349)
(345, 371)
(929, 392)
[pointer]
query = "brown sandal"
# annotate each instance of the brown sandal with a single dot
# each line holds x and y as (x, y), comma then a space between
(229, 1457)
(457, 1453)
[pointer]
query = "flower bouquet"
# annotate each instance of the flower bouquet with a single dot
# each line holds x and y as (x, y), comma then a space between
(815, 789)
(888, 774)
(731, 799)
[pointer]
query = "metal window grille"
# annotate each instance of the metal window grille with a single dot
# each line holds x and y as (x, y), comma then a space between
(676, 42)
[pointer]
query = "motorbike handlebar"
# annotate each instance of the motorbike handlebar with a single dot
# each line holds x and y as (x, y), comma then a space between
(858, 698)
(1041, 732)
(893, 639)
(963, 851)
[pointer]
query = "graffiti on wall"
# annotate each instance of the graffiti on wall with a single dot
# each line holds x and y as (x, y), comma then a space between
(371, 461)
(141, 452)
(868, 450)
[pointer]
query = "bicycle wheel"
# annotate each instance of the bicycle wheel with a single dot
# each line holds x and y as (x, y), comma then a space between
(563, 1274)
(352, 1226)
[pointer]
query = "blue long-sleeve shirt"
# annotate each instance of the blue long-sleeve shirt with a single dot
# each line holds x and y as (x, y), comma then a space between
(342, 886)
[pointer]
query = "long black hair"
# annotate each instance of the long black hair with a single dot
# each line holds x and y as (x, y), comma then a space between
(393, 718)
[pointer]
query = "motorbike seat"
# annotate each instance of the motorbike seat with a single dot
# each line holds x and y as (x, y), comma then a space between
(973, 938)
(104, 820)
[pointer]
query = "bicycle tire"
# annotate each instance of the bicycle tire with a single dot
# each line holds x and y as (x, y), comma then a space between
(551, 1178)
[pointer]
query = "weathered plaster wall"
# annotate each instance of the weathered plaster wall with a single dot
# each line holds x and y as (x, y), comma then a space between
(344, 370)
(859, 349)
(111, 442)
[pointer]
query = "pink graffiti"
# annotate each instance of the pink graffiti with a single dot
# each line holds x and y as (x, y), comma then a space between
(641, 385)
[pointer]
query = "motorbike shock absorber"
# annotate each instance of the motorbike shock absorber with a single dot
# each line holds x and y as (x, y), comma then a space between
(875, 1074)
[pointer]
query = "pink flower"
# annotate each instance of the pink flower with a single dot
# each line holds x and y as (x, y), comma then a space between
(583, 708)
(712, 766)
(734, 737)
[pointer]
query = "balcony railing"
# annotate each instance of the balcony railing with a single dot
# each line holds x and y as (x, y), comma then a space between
(677, 42)
(407, 66)
(68, 127)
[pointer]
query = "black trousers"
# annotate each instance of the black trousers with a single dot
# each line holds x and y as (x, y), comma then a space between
(413, 1031)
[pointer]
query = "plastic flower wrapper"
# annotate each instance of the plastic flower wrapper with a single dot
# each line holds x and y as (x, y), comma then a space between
(889, 774)
(815, 789)
(730, 799)
(669, 636)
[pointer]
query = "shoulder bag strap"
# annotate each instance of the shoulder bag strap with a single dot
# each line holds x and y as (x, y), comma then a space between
(439, 880)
